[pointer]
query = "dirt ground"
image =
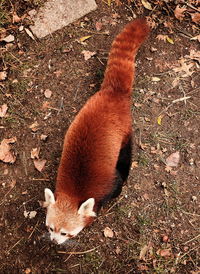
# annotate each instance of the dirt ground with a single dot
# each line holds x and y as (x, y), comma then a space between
(155, 221)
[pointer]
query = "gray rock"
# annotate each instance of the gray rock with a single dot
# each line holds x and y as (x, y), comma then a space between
(56, 14)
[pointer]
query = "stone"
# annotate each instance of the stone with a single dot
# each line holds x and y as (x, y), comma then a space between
(56, 14)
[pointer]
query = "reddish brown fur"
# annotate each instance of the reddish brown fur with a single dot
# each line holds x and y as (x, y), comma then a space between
(94, 139)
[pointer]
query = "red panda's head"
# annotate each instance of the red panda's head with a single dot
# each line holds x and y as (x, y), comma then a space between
(65, 220)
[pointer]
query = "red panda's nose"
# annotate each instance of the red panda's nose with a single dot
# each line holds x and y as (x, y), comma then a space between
(54, 241)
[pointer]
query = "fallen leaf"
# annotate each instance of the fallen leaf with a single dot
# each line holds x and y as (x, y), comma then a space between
(43, 137)
(3, 110)
(175, 82)
(168, 169)
(143, 267)
(12, 183)
(118, 250)
(146, 4)
(184, 69)
(159, 120)
(16, 18)
(179, 12)
(173, 159)
(134, 164)
(165, 238)
(108, 233)
(88, 54)
(47, 93)
(143, 252)
(6, 155)
(194, 55)
(169, 40)
(35, 153)
(196, 38)
(155, 79)
(39, 164)
(30, 214)
(45, 105)
(98, 26)
(8, 39)
(161, 37)
(3, 75)
(29, 33)
(27, 271)
(195, 17)
(82, 39)
(165, 252)
(58, 73)
(34, 127)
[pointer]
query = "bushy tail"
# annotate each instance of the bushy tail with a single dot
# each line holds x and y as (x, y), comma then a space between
(119, 73)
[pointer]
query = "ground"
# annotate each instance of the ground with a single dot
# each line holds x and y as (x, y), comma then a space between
(154, 223)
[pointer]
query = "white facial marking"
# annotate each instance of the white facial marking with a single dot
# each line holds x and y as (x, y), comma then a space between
(60, 239)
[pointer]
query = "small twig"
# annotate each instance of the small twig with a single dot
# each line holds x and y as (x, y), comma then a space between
(181, 99)
(78, 253)
(35, 179)
(189, 213)
(100, 61)
(192, 7)
(61, 105)
(14, 245)
(114, 204)
(181, 257)
(196, 237)
(33, 230)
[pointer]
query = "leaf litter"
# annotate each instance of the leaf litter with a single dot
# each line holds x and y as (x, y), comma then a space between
(6, 153)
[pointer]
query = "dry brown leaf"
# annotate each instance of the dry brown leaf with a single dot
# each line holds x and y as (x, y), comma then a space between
(12, 183)
(3, 110)
(168, 169)
(27, 271)
(165, 252)
(98, 26)
(47, 93)
(179, 12)
(34, 127)
(29, 33)
(3, 75)
(161, 37)
(134, 164)
(45, 105)
(143, 252)
(35, 153)
(39, 164)
(58, 73)
(195, 17)
(146, 4)
(6, 155)
(9, 39)
(173, 159)
(118, 250)
(16, 18)
(88, 54)
(43, 137)
(184, 68)
(196, 38)
(108, 233)
(194, 55)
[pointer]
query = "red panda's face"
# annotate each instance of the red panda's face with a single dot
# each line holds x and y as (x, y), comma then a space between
(64, 222)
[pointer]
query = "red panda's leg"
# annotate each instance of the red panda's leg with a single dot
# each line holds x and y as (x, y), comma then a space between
(124, 159)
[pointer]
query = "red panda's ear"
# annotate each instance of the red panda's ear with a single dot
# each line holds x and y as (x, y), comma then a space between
(86, 208)
(49, 197)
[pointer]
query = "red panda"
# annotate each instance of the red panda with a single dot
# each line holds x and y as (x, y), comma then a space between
(96, 154)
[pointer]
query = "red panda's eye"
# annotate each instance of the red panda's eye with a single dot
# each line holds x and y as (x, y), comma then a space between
(63, 233)
(51, 229)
